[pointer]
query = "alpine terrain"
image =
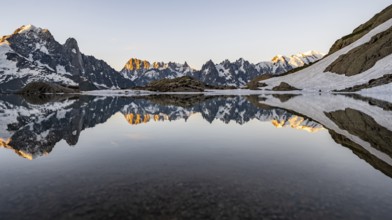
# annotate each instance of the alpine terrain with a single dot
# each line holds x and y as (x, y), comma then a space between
(226, 73)
(361, 61)
(32, 55)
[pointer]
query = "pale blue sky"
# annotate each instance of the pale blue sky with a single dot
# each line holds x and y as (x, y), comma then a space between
(192, 31)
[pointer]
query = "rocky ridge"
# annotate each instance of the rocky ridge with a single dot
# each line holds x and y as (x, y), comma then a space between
(226, 73)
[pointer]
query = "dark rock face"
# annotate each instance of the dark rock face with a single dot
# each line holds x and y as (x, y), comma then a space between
(226, 73)
(362, 30)
(370, 84)
(363, 57)
(32, 54)
(284, 87)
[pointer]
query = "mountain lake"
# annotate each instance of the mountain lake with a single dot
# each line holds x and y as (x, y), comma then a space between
(195, 156)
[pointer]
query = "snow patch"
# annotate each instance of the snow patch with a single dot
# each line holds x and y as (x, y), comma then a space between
(61, 70)
(41, 48)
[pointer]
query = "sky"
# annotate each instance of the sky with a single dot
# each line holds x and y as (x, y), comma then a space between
(193, 31)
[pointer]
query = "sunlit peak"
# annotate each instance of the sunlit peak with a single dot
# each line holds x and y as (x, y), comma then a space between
(298, 123)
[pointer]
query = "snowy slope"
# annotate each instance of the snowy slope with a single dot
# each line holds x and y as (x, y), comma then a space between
(314, 78)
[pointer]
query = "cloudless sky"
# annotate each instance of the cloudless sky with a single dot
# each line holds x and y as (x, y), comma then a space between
(193, 31)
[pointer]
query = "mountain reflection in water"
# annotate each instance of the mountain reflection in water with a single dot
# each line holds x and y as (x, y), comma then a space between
(33, 130)
(195, 156)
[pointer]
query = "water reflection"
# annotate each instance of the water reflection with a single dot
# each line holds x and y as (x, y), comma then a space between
(32, 126)
(359, 123)
(32, 130)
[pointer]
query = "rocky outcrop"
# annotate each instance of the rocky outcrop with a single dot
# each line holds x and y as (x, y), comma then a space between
(370, 84)
(182, 84)
(364, 57)
(42, 88)
(284, 87)
(362, 30)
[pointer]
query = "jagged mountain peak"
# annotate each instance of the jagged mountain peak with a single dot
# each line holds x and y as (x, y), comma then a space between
(311, 53)
(307, 54)
(71, 42)
(241, 61)
(225, 61)
(28, 32)
(31, 31)
(28, 28)
(31, 54)
(72, 45)
(136, 64)
(280, 59)
(208, 63)
(226, 73)
(297, 60)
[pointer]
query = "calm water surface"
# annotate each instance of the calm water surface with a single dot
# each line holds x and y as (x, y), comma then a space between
(195, 157)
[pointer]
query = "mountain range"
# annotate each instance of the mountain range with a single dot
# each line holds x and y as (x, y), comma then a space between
(226, 73)
(32, 54)
(358, 62)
